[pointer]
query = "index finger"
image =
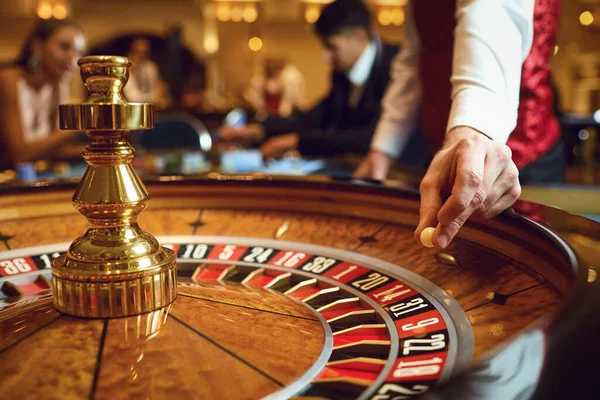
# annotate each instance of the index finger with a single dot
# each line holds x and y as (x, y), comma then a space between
(431, 201)
(468, 192)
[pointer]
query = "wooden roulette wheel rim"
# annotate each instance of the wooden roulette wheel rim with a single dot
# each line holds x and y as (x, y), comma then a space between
(291, 335)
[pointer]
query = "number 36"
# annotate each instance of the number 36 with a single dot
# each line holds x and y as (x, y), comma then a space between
(16, 266)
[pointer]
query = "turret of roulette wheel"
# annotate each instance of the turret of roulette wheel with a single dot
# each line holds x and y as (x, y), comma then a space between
(115, 269)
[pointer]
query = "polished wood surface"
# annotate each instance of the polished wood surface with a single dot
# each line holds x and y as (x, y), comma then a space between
(176, 363)
(13, 330)
(281, 346)
(245, 297)
(55, 362)
(504, 274)
(247, 344)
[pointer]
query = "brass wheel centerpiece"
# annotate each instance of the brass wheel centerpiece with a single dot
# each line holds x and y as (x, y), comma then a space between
(115, 269)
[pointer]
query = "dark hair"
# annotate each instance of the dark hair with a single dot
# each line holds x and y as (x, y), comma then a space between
(42, 30)
(341, 15)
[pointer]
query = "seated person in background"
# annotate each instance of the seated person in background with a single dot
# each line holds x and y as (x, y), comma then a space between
(145, 83)
(280, 92)
(32, 88)
(344, 121)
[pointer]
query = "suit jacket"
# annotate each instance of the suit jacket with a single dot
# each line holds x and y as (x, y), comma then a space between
(332, 127)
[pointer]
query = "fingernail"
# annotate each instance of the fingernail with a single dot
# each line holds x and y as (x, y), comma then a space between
(442, 240)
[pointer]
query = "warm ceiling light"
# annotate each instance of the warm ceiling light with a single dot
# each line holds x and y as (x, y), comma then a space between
(391, 3)
(255, 43)
(237, 14)
(59, 11)
(44, 11)
(312, 14)
(384, 17)
(211, 44)
(223, 12)
(250, 14)
(397, 16)
(586, 18)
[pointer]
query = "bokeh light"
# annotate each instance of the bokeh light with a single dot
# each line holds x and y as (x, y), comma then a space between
(384, 17)
(44, 11)
(223, 12)
(237, 14)
(255, 43)
(59, 11)
(250, 14)
(586, 18)
(312, 14)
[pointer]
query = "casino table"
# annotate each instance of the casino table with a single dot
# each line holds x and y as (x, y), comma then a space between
(287, 287)
(246, 286)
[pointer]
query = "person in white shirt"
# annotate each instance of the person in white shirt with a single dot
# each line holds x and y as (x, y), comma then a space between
(461, 71)
(32, 88)
(281, 91)
(145, 83)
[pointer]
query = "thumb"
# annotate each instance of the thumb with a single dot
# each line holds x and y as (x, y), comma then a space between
(362, 171)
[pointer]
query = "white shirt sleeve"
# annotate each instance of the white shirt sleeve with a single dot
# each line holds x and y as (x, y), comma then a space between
(493, 39)
(403, 96)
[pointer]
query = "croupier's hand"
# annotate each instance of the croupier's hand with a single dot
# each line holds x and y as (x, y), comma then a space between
(376, 165)
(245, 133)
(277, 146)
(470, 177)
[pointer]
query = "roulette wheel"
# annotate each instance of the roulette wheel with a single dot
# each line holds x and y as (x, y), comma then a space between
(285, 288)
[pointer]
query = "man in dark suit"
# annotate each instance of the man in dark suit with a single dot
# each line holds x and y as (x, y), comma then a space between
(344, 121)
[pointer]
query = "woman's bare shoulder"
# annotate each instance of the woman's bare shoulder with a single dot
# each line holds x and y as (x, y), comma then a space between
(9, 76)
(11, 72)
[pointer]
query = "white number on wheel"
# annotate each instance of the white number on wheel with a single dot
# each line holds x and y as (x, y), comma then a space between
(418, 368)
(195, 251)
(258, 254)
(392, 293)
(290, 259)
(409, 306)
(227, 252)
(420, 324)
(391, 391)
(318, 265)
(372, 281)
(347, 271)
(437, 342)
(47, 260)
(15, 266)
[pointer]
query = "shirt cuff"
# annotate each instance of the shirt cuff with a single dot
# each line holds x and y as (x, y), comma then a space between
(484, 111)
(389, 140)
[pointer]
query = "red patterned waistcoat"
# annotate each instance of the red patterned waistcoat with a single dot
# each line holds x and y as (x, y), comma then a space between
(537, 128)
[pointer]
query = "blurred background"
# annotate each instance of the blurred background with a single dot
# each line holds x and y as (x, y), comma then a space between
(207, 53)
(221, 44)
